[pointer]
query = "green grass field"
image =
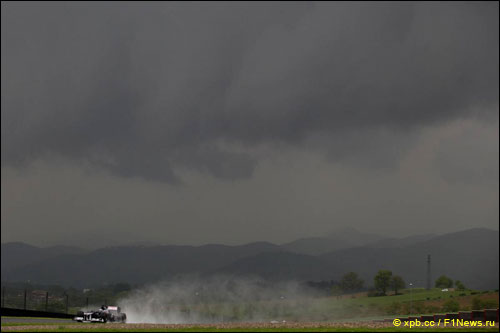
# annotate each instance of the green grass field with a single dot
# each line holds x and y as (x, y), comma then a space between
(407, 295)
(416, 301)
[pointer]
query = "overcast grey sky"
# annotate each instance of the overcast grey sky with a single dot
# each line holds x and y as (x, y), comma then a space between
(233, 122)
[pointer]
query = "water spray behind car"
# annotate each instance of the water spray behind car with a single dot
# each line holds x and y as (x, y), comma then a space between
(215, 299)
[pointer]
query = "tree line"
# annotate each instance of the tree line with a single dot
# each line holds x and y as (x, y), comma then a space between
(383, 281)
(445, 282)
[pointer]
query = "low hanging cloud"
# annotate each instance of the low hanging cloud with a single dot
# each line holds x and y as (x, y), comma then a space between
(145, 90)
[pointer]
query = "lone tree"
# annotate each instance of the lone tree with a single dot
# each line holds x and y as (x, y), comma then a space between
(460, 285)
(397, 283)
(383, 281)
(351, 282)
(444, 282)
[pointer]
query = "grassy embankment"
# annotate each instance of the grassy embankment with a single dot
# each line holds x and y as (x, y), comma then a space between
(357, 307)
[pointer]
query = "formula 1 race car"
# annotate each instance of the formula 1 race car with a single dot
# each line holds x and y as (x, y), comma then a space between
(103, 315)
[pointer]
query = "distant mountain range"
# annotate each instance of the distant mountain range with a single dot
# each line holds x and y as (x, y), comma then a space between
(345, 238)
(470, 256)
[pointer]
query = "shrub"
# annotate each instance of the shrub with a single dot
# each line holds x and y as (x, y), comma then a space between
(460, 285)
(419, 307)
(451, 306)
(374, 293)
(432, 309)
(476, 303)
(393, 308)
(489, 303)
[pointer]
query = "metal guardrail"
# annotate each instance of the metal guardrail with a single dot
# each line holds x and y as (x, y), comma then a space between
(33, 313)
(48, 302)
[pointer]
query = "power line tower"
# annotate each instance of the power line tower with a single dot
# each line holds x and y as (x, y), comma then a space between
(428, 287)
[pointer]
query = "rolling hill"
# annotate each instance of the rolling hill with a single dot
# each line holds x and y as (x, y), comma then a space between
(470, 256)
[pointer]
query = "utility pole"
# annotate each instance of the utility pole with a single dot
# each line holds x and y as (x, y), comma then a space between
(428, 272)
(411, 298)
(67, 301)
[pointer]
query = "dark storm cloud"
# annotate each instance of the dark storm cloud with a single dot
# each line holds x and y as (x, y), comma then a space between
(143, 89)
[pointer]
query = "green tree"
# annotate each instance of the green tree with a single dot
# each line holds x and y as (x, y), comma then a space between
(351, 282)
(444, 282)
(460, 285)
(382, 280)
(397, 283)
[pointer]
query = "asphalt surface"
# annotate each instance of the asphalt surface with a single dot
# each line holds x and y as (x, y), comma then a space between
(32, 320)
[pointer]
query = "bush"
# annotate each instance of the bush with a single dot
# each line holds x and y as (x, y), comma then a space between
(419, 307)
(479, 304)
(459, 285)
(462, 294)
(489, 303)
(393, 308)
(374, 293)
(476, 303)
(432, 309)
(450, 306)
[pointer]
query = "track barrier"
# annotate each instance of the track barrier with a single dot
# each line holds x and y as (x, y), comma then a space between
(33, 313)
